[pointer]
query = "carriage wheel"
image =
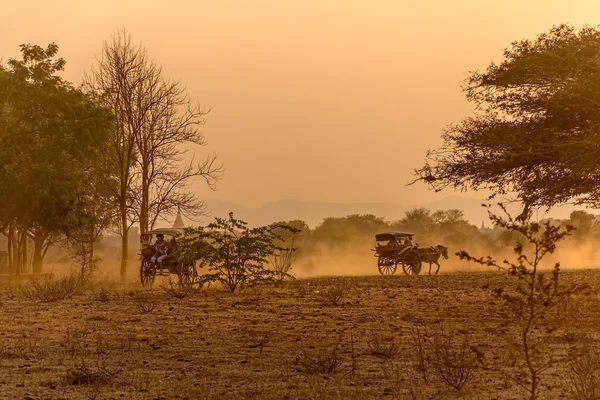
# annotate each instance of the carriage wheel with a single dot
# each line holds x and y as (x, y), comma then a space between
(187, 273)
(386, 265)
(411, 263)
(147, 273)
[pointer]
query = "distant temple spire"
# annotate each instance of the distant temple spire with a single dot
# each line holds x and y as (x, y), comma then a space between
(482, 225)
(178, 221)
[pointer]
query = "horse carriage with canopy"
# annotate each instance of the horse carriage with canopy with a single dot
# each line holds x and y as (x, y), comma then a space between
(151, 265)
(397, 248)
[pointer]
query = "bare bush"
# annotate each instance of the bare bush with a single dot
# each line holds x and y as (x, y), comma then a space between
(178, 290)
(384, 346)
(83, 374)
(324, 360)
(259, 339)
(53, 289)
(103, 295)
(145, 303)
(452, 362)
(333, 295)
(583, 378)
(536, 301)
(418, 344)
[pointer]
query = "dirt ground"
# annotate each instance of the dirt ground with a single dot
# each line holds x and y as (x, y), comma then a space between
(320, 338)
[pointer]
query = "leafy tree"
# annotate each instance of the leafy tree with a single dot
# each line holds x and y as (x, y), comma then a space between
(233, 253)
(354, 227)
(584, 223)
(535, 132)
(50, 134)
(417, 220)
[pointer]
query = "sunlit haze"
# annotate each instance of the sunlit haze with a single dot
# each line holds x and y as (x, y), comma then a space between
(332, 101)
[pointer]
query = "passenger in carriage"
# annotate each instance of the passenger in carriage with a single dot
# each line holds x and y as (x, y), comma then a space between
(160, 251)
(393, 245)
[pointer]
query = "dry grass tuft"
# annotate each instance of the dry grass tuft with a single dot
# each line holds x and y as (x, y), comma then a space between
(53, 289)
(583, 378)
(333, 295)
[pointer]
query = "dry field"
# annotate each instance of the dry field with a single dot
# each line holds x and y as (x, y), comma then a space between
(320, 338)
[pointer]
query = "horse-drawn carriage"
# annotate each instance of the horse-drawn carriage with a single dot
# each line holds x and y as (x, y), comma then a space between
(397, 248)
(151, 266)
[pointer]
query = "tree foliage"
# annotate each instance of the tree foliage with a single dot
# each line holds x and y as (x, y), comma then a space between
(536, 128)
(232, 252)
(51, 133)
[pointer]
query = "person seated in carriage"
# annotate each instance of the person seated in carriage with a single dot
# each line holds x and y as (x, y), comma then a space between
(393, 245)
(160, 251)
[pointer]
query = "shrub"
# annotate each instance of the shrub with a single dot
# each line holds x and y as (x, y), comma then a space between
(452, 362)
(383, 346)
(333, 295)
(324, 360)
(583, 378)
(53, 289)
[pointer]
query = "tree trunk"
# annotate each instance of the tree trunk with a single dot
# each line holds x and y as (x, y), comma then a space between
(124, 242)
(38, 246)
(24, 252)
(11, 244)
(144, 212)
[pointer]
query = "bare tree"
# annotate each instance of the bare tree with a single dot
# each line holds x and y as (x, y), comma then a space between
(155, 119)
(171, 123)
(117, 77)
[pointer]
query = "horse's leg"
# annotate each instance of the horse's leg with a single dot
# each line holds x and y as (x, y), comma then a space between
(438, 267)
(429, 268)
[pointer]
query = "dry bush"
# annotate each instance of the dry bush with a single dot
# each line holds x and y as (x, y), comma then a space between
(583, 378)
(259, 339)
(384, 346)
(83, 374)
(178, 290)
(103, 295)
(323, 360)
(452, 362)
(53, 289)
(145, 303)
(89, 356)
(420, 357)
(333, 295)
(301, 288)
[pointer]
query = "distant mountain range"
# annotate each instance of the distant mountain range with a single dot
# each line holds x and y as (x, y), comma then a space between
(313, 213)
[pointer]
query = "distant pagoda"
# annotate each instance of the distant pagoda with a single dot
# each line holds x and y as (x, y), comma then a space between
(178, 221)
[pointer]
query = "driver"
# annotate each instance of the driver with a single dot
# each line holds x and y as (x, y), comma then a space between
(160, 251)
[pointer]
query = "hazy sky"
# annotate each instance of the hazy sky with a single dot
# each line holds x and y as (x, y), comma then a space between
(314, 99)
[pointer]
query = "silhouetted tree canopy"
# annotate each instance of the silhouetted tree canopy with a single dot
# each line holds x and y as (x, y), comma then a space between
(536, 131)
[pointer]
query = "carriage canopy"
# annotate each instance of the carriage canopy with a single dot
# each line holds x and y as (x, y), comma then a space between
(380, 237)
(166, 231)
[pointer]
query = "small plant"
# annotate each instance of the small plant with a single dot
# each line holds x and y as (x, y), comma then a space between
(453, 363)
(534, 299)
(103, 295)
(145, 303)
(418, 343)
(53, 289)
(333, 295)
(178, 290)
(325, 360)
(259, 340)
(85, 375)
(383, 346)
(583, 378)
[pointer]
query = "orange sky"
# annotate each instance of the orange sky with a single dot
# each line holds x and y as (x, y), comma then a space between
(312, 100)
